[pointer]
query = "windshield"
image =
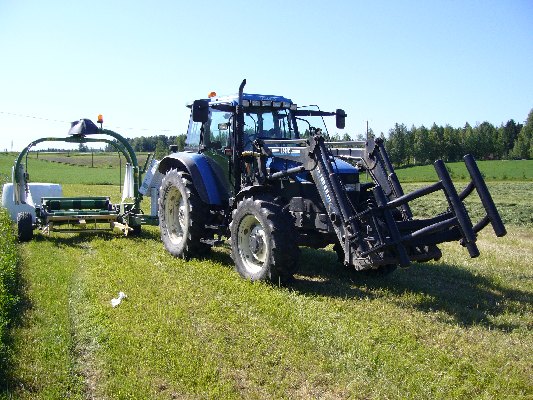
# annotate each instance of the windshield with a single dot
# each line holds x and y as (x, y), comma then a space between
(259, 123)
(264, 123)
(306, 124)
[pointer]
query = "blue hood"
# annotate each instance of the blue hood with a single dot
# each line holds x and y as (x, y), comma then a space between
(278, 164)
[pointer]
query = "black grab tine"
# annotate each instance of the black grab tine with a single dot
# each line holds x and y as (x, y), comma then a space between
(484, 195)
(401, 252)
(457, 207)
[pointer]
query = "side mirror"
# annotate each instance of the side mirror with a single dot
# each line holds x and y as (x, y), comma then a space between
(340, 117)
(200, 111)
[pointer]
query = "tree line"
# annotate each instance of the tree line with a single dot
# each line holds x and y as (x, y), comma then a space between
(158, 144)
(422, 145)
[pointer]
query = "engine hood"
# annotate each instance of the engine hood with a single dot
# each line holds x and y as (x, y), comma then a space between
(276, 164)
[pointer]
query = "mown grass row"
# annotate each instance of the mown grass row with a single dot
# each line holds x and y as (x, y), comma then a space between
(86, 159)
(94, 160)
(9, 290)
(511, 198)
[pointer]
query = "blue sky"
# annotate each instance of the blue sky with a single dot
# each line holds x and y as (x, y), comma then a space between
(138, 63)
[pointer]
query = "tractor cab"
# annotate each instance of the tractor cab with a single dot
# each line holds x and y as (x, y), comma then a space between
(214, 131)
(265, 117)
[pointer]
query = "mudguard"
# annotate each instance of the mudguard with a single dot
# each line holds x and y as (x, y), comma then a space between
(207, 176)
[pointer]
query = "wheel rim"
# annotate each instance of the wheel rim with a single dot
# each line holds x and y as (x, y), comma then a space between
(252, 244)
(175, 215)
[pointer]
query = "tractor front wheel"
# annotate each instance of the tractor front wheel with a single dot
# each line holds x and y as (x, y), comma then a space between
(181, 216)
(263, 241)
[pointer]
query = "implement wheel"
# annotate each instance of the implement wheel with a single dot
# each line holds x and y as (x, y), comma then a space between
(181, 216)
(24, 227)
(263, 241)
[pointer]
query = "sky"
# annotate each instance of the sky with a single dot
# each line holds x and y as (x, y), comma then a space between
(140, 62)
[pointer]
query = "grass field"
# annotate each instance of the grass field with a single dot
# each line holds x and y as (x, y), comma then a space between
(505, 170)
(454, 328)
(58, 168)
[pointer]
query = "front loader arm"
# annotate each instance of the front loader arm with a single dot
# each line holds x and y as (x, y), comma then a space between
(385, 232)
(379, 229)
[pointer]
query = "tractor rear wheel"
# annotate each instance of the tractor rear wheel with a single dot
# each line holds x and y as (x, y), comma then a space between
(181, 216)
(24, 227)
(263, 241)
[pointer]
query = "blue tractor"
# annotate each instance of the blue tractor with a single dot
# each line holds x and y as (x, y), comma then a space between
(257, 169)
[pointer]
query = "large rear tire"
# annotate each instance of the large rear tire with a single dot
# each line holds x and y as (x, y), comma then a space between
(24, 227)
(181, 216)
(263, 241)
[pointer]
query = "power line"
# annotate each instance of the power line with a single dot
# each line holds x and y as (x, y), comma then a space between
(68, 122)
(33, 117)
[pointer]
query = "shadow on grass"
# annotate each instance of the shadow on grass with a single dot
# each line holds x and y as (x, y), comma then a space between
(468, 298)
(9, 383)
(80, 239)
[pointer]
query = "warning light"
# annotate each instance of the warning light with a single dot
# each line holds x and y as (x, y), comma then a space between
(100, 119)
(212, 94)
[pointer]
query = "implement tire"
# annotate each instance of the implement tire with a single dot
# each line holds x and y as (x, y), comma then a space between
(263, 241)
(24, 227)
(181, 216)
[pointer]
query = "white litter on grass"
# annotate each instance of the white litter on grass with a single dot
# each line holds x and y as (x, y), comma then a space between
(116, 302)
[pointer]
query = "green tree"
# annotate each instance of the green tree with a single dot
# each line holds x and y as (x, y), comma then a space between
(422, 151)
(397, 144)
(180, 141)
(435, 150)
(508, 137)
(410, 145)
(470, 140)
(452, 144)
(523, 147)
(161, 149)
(346, 137)
(487, 140)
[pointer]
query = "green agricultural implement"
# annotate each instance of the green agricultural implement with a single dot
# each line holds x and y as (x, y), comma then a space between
(50, 213)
